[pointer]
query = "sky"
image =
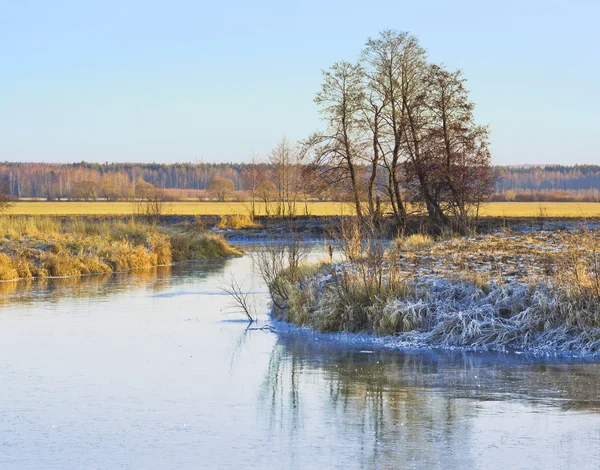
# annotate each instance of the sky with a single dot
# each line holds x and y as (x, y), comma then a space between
(182, 80)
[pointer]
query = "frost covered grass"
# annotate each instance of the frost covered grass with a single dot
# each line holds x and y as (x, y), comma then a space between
(42, 246)
(505, 292)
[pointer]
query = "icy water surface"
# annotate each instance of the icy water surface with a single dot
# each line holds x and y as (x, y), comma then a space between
(146, 370)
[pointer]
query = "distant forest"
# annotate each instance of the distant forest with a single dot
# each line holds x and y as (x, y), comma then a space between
(189, 180)
(550, 182)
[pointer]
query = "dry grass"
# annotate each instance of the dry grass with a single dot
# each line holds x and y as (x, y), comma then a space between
(494, 209)
(236, 221)
(42, 246)
(415, 242)
(196, 246)
(176, 208)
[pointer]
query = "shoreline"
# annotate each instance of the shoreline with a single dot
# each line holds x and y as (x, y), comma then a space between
(370, 343)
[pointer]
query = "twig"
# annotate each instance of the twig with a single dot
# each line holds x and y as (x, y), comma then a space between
(241, 300)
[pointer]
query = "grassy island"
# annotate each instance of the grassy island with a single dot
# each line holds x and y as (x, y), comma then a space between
(533, 291)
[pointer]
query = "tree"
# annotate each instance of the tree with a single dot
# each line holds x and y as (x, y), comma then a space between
(220, 188)
(110, 190)
(5, 199)
(150, 202)
(391, 62)
(396, 113)
(266, 191)
(285, 163)
(85, 190)
(457, 146)
(144, 190)
(337, 150)
(250, 179)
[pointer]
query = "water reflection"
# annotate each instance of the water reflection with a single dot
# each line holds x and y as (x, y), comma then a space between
(398, 404)
(569, 383)
(156, 280)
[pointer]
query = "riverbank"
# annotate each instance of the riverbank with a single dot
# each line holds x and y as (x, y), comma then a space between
(241, 227)
(538, 291)
(37, 247)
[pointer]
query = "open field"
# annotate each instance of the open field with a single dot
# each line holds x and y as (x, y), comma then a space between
(494, 209)
(171, 208)
(532, 209)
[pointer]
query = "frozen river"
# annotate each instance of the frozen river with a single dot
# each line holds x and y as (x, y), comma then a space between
(147, 370)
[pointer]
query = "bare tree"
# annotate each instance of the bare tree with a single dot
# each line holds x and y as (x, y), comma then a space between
(266, 191)
(86, 190)
(456, 145)
(285, 163)
(338, 150)
(395, 116)
(151, 203)
(251, 178)
(391, 61)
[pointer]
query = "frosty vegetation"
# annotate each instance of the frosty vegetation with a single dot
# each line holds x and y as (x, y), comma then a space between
(504, 292)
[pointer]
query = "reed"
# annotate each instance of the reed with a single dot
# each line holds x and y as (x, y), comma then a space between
(43, 246)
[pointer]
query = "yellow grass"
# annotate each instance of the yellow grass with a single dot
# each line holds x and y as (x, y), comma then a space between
(172, 208)
(494, 209)
(549, 209)
(40, 246)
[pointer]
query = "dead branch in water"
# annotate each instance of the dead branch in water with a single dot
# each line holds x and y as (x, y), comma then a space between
(240, 299)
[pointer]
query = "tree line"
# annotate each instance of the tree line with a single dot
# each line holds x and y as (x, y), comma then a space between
(67, 181)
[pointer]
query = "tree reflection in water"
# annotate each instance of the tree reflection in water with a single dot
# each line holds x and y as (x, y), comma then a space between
(409, 406)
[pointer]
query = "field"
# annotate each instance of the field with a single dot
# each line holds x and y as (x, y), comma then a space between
(171, 208)
(494, 209)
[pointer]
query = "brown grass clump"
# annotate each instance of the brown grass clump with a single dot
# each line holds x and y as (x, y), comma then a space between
(8, 269)
(160, 245)
(415, 242)
(63, 264)
(235, 221)
(196, 246)
(42, 246)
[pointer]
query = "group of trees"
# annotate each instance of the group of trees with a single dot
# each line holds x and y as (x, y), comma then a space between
(282, 183)
(410, 124)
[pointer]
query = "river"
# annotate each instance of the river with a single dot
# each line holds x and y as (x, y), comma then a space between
(151, 370)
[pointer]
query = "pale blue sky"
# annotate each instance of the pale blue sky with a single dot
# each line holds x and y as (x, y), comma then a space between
(167, 81)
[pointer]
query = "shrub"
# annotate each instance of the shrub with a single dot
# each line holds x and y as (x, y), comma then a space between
(196, 246)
